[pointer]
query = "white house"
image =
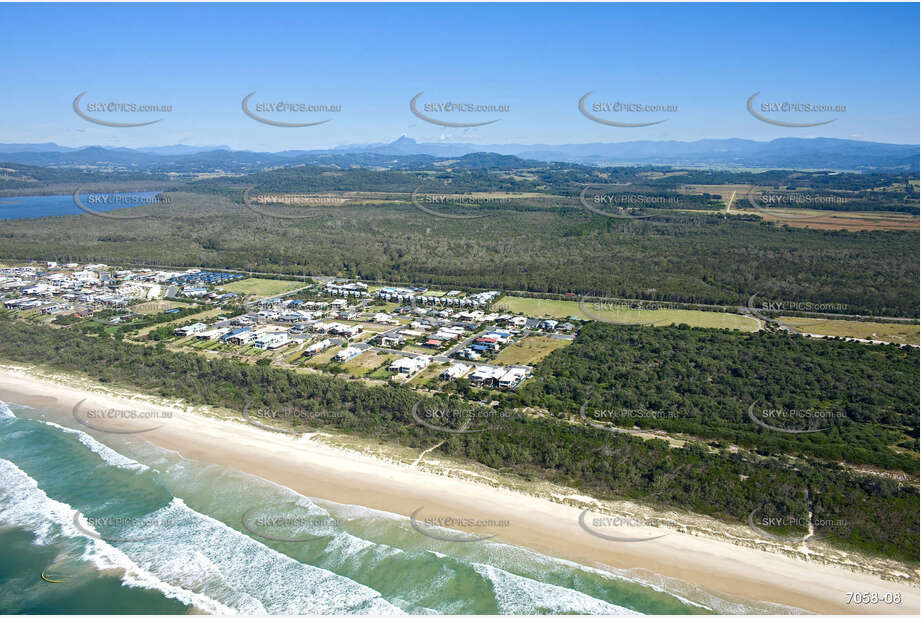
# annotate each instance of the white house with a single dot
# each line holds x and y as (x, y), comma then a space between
(191, 329)
(512, 377)
(271, 341)
(212, 334)
(455, 371)
(318, 346)
(383, 318)
(392, 341)
(243, 337)
(408, 365)
(347, 354)
(487, 375)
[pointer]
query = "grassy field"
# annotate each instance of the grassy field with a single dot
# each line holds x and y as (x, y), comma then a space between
(262, 287)
(418, 349)
(808, 218)
(156, 306)
(835, 220)
(880, 331)
(195, 317)
(430, 372)
(529, 350)
(724, 191)
(542, 307)
(367, 362)
(325, 356)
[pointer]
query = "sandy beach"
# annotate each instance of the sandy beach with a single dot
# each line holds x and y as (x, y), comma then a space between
(319, 470)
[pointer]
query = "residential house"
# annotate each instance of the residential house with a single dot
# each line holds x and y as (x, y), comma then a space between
(191, 329)
(271, 340)
(456, 370)
(409, 365)
(347, 354)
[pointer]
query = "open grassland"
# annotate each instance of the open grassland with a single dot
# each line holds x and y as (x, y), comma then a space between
(262, 287)
(195, 317)
(367, 362)
(430, 372)
(324, 357)
(724, 191)
(836, 220)
(418, 349)
(156, 306)
(542, 307)
(879, 331)
(529, 350)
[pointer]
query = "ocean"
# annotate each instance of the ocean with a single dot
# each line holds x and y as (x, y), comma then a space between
(110, 524)
(34, 206)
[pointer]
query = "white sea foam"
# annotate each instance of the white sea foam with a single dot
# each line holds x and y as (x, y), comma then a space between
(243, 572)
(108, 455)
(24, 505)
(519, 595)
(5, 411)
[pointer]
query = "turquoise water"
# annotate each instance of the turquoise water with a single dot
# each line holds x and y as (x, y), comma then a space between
(32, 206)
(157, 533)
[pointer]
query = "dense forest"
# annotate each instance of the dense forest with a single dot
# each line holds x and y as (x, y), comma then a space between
(558, 248)
(858, 402)
(870, 513)
(481, 172)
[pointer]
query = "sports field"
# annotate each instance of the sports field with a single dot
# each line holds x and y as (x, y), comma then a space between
(261, 287)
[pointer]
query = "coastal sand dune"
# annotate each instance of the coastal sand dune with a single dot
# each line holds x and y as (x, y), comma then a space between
(318, 470)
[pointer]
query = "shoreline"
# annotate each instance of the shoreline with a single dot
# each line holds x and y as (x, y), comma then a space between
(319, 469)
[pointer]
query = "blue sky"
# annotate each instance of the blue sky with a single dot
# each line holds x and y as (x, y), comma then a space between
(537, 59)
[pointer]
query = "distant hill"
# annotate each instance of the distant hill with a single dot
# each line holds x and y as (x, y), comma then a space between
(792, 152)
(781, 153)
